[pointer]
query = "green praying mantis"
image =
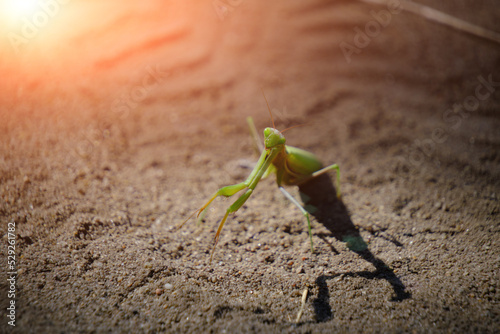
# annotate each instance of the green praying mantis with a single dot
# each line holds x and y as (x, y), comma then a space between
(292, 165)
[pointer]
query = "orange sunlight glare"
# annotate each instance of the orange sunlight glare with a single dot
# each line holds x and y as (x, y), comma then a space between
(15, 9)
(35, 35)
(30, 25)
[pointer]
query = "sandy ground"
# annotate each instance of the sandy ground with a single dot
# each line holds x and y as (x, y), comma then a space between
(120, 120)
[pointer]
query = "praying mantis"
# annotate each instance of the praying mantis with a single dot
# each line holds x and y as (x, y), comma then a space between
(292, 165)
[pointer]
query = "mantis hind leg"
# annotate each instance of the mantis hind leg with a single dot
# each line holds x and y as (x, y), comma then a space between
(304, 212)
(326, 169)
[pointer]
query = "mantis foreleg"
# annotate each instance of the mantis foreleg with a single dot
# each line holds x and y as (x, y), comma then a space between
(224, 191)
(257, 144)
(233, 208)
(251, 182)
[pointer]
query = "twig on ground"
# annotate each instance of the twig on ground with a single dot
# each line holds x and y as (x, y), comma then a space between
(443, 18)
(303, 304)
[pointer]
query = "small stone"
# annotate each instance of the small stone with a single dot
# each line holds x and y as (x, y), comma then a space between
(159, 292)
(168, 286)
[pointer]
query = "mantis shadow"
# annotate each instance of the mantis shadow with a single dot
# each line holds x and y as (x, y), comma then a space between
(320, 199)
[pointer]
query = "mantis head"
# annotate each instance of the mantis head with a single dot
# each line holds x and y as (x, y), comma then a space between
(273, 137)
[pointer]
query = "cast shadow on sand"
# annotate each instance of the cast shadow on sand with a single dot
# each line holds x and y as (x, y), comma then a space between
(319, 196)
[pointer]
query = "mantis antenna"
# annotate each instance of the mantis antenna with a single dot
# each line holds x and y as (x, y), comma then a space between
(268, 108)
(272, 119)
(293, 126)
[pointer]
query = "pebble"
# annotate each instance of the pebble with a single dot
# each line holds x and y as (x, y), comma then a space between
(168, 286)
